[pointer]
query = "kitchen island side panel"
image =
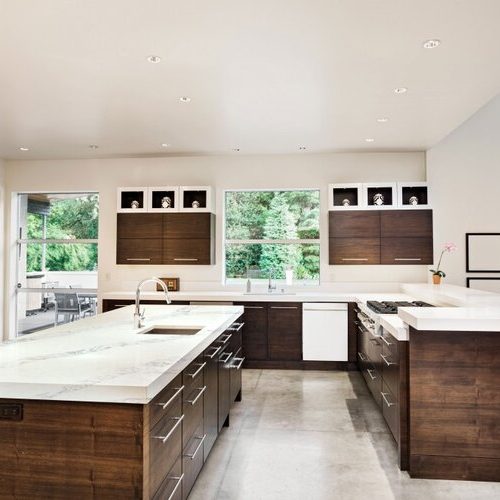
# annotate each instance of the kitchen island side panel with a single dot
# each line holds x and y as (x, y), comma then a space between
(455, 405)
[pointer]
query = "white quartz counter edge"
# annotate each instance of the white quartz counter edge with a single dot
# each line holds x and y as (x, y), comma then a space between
(103, 359)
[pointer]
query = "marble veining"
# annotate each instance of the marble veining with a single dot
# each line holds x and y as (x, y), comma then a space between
(104, 359)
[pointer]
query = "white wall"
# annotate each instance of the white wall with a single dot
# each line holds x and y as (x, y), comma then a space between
(464, 174)
(2, 240)
(222, 172)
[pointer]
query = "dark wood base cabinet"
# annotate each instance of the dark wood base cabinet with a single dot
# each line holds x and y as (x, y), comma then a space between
(61, 450)
(455, 405)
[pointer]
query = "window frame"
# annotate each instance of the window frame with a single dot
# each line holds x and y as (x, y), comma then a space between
(296, 241)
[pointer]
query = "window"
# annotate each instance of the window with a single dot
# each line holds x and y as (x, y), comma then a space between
(272, 231)
(57, 258)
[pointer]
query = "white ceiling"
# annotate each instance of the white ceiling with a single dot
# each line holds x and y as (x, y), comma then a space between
(265, 76)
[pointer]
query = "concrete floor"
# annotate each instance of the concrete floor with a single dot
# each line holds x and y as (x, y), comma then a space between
(314, 436)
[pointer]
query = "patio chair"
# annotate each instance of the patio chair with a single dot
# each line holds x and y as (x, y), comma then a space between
(71, 306)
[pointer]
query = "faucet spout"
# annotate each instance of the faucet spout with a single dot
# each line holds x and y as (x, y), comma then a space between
(138, 315)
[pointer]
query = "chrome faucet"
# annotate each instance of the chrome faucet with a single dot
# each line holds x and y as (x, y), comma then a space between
(138, 315)
(270, 286)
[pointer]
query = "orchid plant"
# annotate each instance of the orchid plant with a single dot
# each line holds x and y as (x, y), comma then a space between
(448, 248)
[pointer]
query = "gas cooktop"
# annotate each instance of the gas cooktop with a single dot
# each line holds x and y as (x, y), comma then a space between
(391, 307)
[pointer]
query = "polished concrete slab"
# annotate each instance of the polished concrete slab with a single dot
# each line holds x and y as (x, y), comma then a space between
(310, 435)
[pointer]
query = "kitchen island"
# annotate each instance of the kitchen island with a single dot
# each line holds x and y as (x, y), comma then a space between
(98, 409)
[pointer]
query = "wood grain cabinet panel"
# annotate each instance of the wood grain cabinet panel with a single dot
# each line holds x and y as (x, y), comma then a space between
(188, 225)
(254, 332)
(285, 331)
(406, 224)
(187, 252)
(138, 251)
(354, 251)
(355, 224)
(406, 251)
(137, 226)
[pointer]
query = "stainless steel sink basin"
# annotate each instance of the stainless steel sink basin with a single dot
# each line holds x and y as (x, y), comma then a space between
(173, 330)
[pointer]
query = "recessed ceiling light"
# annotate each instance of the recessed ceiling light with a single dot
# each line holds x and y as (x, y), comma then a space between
(302, 148)
(165, 145)
(93, 146)
(401, 90)
(370, 139)
(154, 59)
(432, 43)
(382, 120)
(24, 149)
(185, 99)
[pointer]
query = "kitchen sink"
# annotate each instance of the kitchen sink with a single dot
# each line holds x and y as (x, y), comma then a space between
(173, 330)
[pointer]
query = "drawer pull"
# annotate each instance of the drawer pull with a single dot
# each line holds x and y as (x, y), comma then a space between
(386, 401)
(164, 439)
(117, 306)
(192, 456)
(355, 260)
(177, 259)
(374, 341)
(179, 482)
(361, 356)
(386, 341)
(228, 357)
(387, 362)
(253, 307)
(227, 337)
(178, 390)
(418, 259)
(238, 366)
(370, 373)
(235, 327)
(138, 260)
(284, 307)
(201, 366)
(193, 401)
(217, 349)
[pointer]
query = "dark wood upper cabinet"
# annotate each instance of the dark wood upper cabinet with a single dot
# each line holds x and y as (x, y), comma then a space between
(138, 251)
(406, 224)
(354, 251)
(355, 224)
(285, 331)
(408, 251)
(188, 225)
(185, 251)
(137, 226)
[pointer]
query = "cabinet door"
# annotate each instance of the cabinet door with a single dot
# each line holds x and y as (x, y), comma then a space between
(406, 223)
(210, 418)
(187, 225)
(138, 251)
(138, 226)
(187, 252)
(354, 251)
(254, 332)
(285, 331)
(355, 224)
(406, 251)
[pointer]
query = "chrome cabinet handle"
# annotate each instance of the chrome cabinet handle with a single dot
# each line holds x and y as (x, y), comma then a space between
(357, 260)
(201, 366)
(387, 362)
(228, 357)
(238, 366)
(178, 259)
(253, 307)
(179, 482)
(228, 336)
(217, 349)
(361, 356)
(178, 390)
(164, 439)
(192, 456)
(235, 327)
(198, 396)
(139, 260)
(418, 259)
(386, 401)
(370, 373)
(386, 341)
(374, 341)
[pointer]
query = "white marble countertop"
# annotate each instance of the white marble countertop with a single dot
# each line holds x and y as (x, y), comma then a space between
(104, 359)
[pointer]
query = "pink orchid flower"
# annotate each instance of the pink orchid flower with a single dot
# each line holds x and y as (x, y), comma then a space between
(450, 247)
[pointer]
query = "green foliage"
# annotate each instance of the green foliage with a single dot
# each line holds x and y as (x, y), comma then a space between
(272, 215)
(76, 218)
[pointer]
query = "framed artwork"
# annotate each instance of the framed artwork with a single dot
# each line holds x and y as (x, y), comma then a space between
(482, 252)
(484, 284)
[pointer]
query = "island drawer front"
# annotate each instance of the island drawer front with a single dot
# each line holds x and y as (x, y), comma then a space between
(374, 382)
(193, 459)
(192, 376)
(390, 369)
(390, 346)
(169, 397)
(193, 413)
(390, 410)
(165, 445)
(171, 488)
(374, 349)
